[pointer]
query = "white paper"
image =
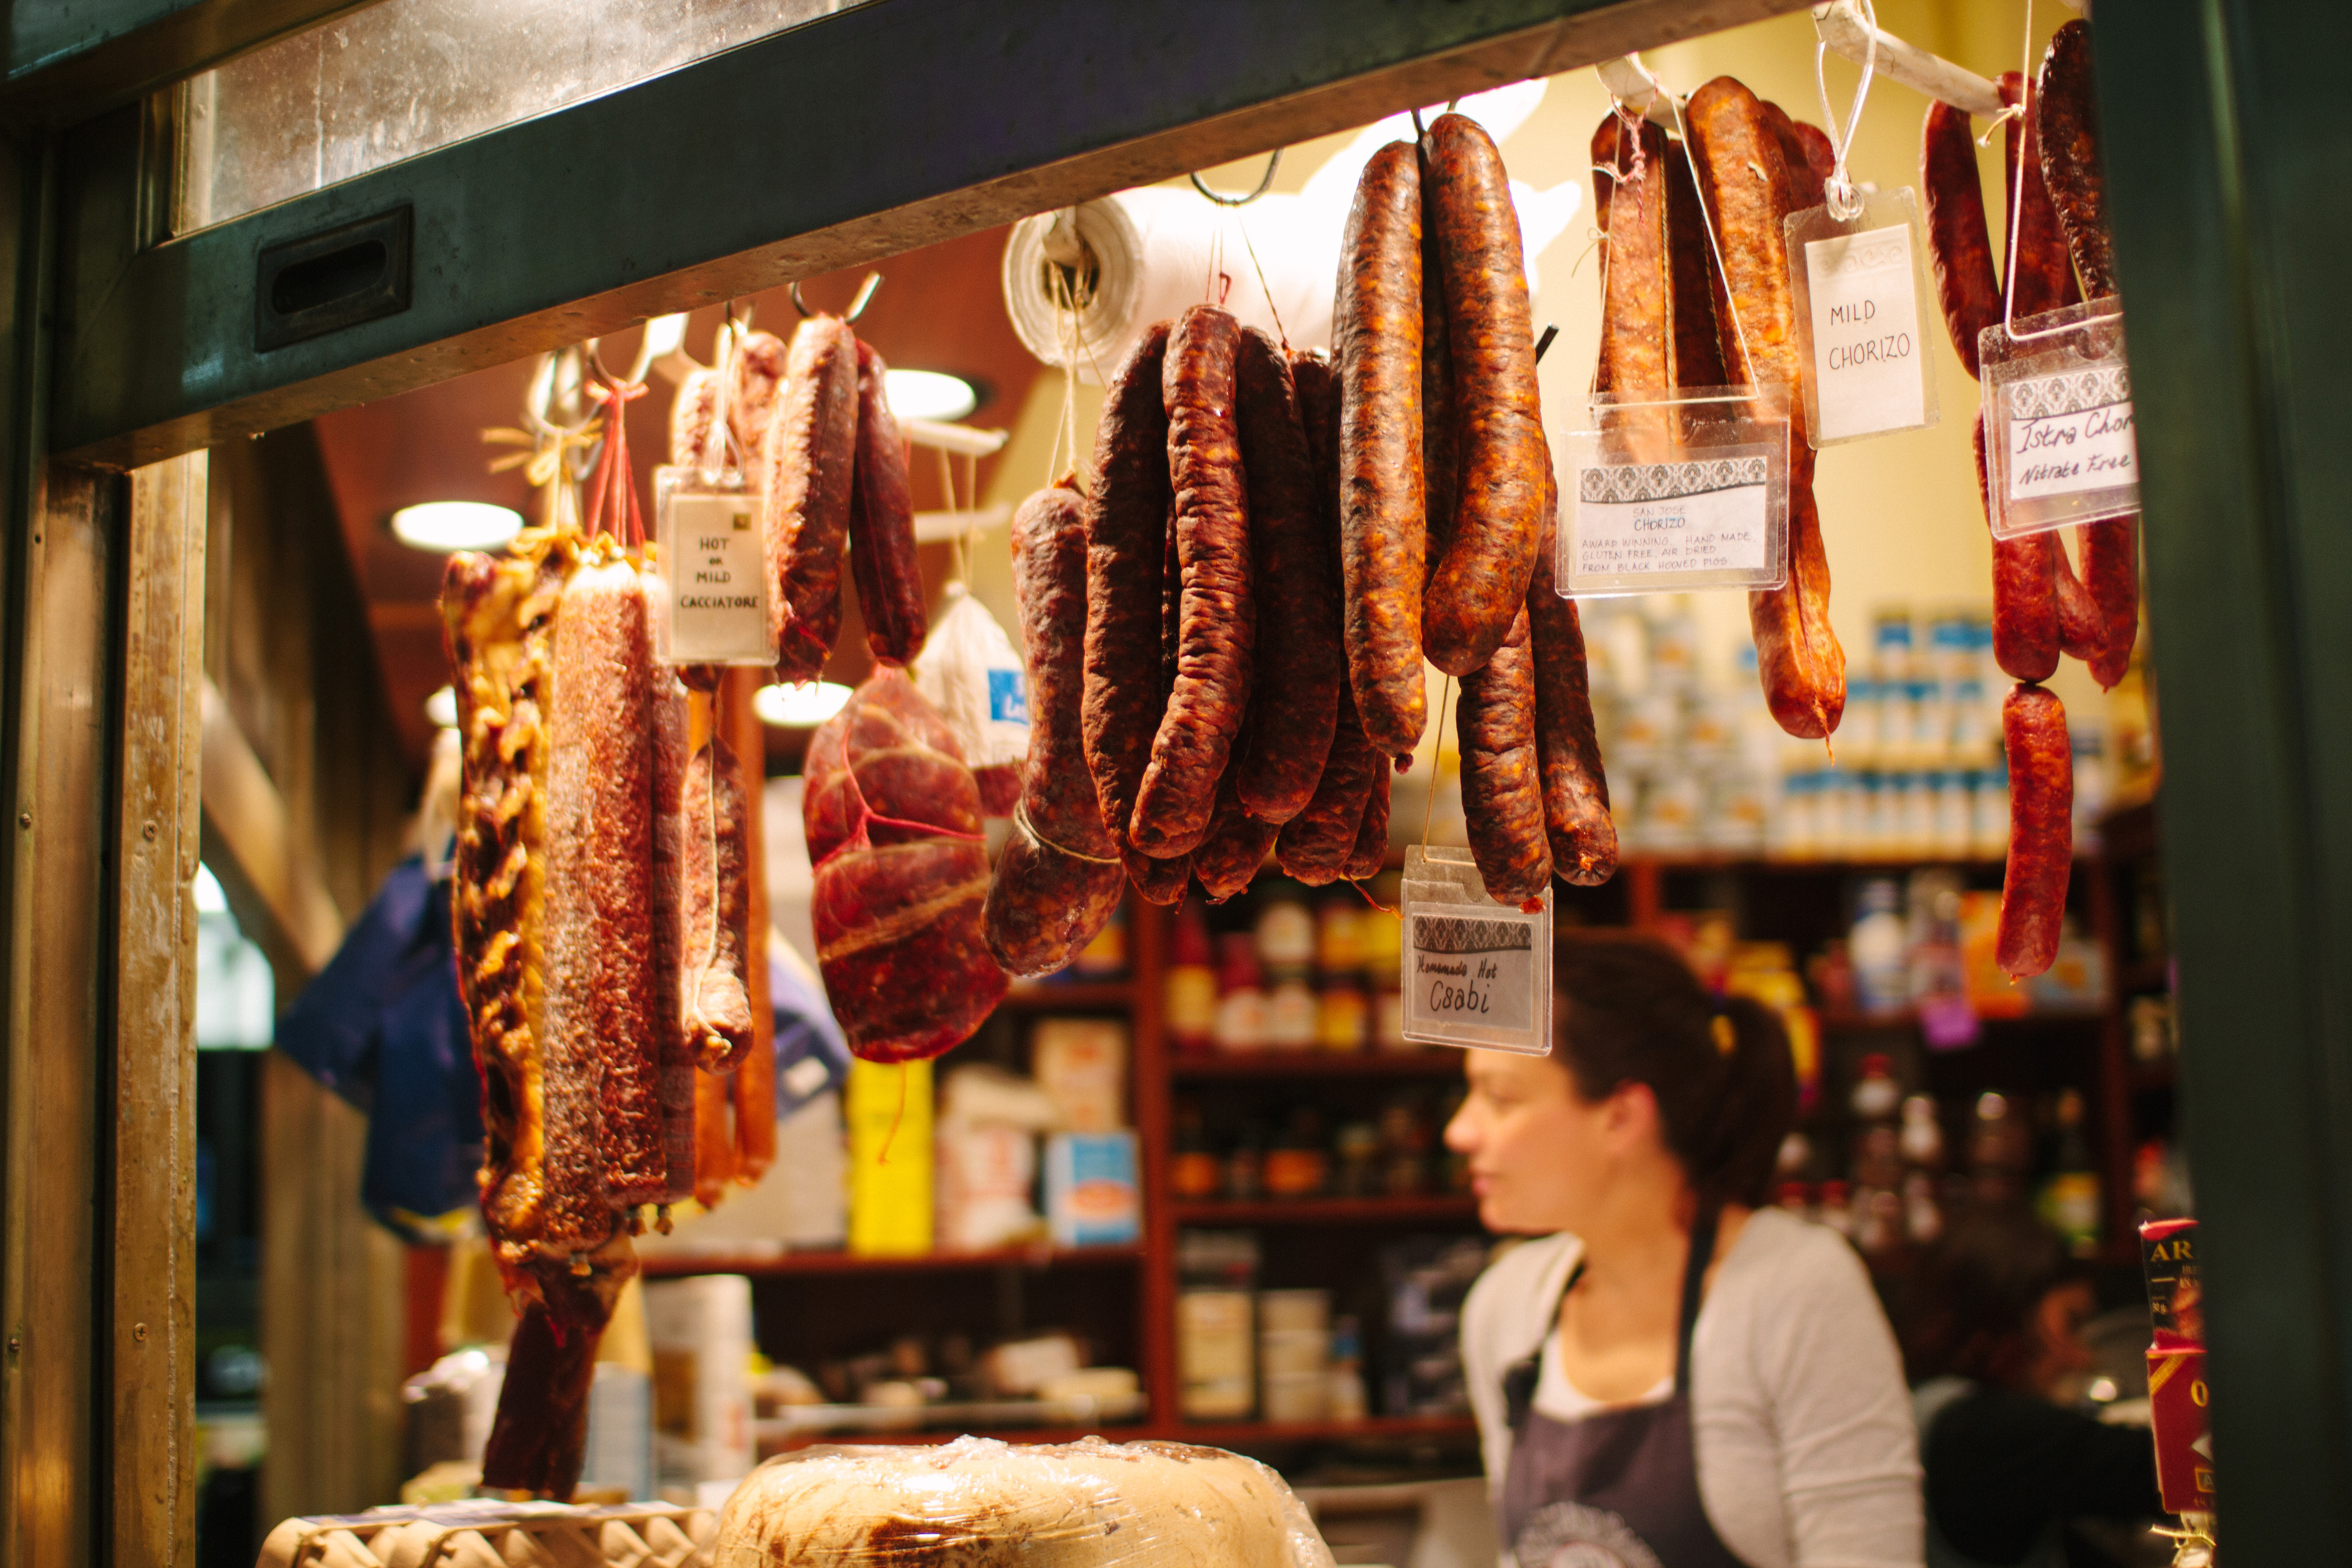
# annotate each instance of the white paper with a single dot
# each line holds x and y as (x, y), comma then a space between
(1865, 316)
(719, 584)
(1638, 519)
(2070, 433)
(1468, 965)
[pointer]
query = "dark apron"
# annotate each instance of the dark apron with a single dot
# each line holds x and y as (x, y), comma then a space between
(1620, 1488)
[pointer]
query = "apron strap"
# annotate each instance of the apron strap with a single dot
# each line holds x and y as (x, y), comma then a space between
(1701, 1252)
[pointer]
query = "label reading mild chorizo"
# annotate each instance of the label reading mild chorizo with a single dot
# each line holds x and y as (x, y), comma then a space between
(1868, 367)
(713, 564)
(1475, 971)
(1865, 313)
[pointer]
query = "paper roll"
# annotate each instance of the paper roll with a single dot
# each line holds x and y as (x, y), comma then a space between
(1274, 263)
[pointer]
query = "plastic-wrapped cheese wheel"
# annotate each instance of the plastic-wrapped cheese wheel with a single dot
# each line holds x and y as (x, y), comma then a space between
(979, 1503)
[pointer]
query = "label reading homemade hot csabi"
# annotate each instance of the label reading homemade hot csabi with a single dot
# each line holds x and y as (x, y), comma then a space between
(1475, 971)
(714, 570)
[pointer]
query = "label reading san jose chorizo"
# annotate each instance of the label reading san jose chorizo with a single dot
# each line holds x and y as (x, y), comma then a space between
(1639, 520)
(2070, 433)
(1867, 363)
(1475, 972)
(713, 567)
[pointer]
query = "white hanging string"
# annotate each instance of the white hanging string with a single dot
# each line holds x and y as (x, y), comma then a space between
(2017, 206)
(1844, 202)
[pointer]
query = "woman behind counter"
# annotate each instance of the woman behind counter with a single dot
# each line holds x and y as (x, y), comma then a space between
(1674, 1376)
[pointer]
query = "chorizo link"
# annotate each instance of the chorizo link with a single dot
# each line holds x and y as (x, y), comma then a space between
(1372, 851)
(1635, 339)
(1157, 881)
(2111, 581)
(811, 450)
(604, 1140)
(1218, 626)
(2041, 275)
(666, 739)
(1968, 284)
(2025, 620)
(1236, 844)
(1297, 663)
(1502, 789)
(1126, 543)
(2041, 830)
(693, 417)
(1315, 845)
(1694, 287)
(1476, 588)
(882, 524)
(1582, 833)
(1441, 421)
(1808, 161)
(761, 360)
(1745, 181)
(2081, 628)
(736, 716)
(717, 908)
(2067, 120)
(1058, 877)
(1383, 527)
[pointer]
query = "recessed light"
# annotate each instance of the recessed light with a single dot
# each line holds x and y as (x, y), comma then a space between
(446, 525)
(801, 707)
(441, 708)
(929, 394)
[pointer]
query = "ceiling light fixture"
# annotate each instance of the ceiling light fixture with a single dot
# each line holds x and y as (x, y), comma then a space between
(801, 707)
(929, 394)
(446, 525)
(441, 708)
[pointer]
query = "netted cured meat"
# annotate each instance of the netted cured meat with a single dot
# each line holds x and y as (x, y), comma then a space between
(893, 821)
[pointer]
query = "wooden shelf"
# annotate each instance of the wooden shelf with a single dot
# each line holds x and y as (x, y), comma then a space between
(1317, 1064)
(1244, 1433)
(1075, 996)
(1225, 1434)
(1857, 1023)
(680, 1264)
(1438, 1207)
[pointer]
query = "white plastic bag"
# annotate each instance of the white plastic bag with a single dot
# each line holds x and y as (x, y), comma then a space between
(972, 673)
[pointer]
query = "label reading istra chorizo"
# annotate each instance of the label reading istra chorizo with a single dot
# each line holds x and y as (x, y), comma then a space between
(1475, 972)
(2059, 441)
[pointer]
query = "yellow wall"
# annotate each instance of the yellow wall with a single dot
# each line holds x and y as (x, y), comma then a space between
(1899, 514)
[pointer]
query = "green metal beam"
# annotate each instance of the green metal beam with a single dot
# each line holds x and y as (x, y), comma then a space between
(2227, 152)
(70, 59)
(890, 125)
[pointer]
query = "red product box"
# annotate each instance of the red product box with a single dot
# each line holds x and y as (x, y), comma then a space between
(2176, 1296)
(2177, 1398)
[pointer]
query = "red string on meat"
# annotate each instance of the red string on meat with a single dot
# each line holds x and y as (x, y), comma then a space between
(612, 481)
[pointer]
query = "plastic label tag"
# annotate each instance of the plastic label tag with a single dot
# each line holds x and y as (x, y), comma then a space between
(1672, 494)
(1861, 299)
(1475, 972)
(2060, 443)
(714, 569)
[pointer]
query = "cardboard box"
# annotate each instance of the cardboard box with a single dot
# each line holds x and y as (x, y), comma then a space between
(2178, 1400)
(1093, 1196)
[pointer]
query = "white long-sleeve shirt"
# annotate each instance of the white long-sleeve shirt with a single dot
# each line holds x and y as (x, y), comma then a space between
(1807, 1453)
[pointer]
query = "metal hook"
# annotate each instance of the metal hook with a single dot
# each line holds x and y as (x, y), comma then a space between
(856, 306)
(1266, 183)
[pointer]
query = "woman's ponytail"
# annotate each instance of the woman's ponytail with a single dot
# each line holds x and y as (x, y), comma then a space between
(1632, 1012)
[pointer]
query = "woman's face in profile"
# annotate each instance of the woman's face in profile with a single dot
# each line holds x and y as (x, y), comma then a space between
(1538, 1153)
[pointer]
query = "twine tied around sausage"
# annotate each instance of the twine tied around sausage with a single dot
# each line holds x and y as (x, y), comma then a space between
(1838, 191)
(1021, 820)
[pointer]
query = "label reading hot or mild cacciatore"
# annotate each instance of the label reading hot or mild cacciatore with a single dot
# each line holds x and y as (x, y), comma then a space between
(717, 580)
